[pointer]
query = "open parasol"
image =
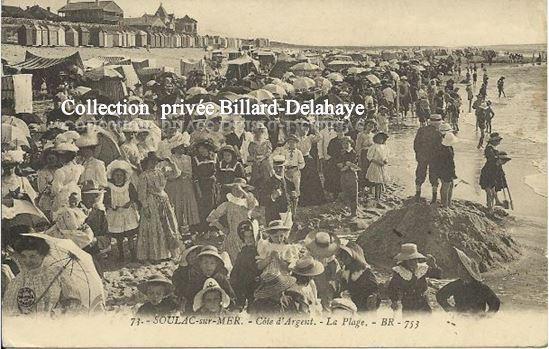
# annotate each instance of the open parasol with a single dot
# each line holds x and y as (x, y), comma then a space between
(304, 83)
(76, 266)
(289, 88)
(14, 135)
(107, 150)
(356, 70)
(230, 96)
(203, 97)
(276, 89)
(262, 94)
(335, 77)
(304, 66)
(374, 80)
(13, 121)
(196, 91)
(23, 213)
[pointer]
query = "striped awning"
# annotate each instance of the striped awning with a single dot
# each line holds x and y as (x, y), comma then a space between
(34, 62)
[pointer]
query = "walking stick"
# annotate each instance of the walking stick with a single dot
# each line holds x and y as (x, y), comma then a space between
(510, 198)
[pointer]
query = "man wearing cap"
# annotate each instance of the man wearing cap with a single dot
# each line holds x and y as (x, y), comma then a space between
(279, 192)
(427, 140)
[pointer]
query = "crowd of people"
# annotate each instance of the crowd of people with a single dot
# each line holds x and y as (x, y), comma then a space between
(218, 196)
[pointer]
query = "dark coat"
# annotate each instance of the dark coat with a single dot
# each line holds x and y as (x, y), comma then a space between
(427, 140)
(244, 276)
(290, 302)
(273, 209)
(360, 289)
(473, 297)
(412, 293)
(166, 307)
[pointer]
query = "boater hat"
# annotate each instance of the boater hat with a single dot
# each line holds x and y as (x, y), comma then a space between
(275, 226)
(408, 252)
(470, 266)
(240, 182)
(183, 259)
(210, 285)
(308, 266)
(322, 244)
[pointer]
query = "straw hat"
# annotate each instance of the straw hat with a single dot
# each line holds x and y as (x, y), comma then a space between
(240, 182)
(279, 160)
(207, 143)
(322, 244)
(308, 266)
(183, 259)
(470, 266)
(449, 139)
(131, 126)
(212, 253)
(156, 279)
(355, 252)
(180, 139)
(445, 127)
(343, 303)
(272, 283)
(408, 252)
(119, 165)
(13, 156)
(88, 139)
(435, 117)
(210, 285)
(229, 149)
(275, 226)
(91, 187)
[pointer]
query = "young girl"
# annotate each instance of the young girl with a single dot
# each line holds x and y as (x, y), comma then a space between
(378, 157)
(180, 189)
(228, 168)
(408, 284)
(304, 270)
(357, 279)
(491, 175)
(157, 289)
(211, 300)
(158, 235)
(121, 203)
(203, 167)
(69, 171)
(129, 149)
(364, 141)
(11, 180)
(245, 271)
(445, 168)
(238, 208)
(274, 252)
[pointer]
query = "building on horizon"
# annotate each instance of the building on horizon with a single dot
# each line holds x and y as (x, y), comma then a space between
(97, 11)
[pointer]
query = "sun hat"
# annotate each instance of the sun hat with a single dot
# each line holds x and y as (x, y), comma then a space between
(122, 165)
(408, 252)
(272, 283)
(322, 244)
(445, 127)
(249, 224)
(88, 139)
(13, 156)
(275, 226)
(494, 137)
(435, 117)
(207, 143)
(183, 258)
(229, 149)
(211, 253)
(155, 279)
(210, 285)
(91, 187)
(470, 265)
(240, 182)
(308, 266)
(151, 156)
(279, 160)
(355, 252)
(449, 139)
(180, 139)
(343, 303)
(64, 142)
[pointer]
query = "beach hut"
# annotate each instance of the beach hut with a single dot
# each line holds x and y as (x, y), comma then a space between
(61, 36)
(109, 38)
(83, 36)
(71, 36)
(141, 38)
(131, 38)
(53, 35)
(176, 40)
(25, 34)
(185, 40)
(116, 38)
(98, 37)
(44, 34)
(159, 40)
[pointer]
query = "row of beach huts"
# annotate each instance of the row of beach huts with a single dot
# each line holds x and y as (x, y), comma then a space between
(65, 35)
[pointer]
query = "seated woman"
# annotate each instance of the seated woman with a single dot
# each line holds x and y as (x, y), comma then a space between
(469, 293)
(38, 289)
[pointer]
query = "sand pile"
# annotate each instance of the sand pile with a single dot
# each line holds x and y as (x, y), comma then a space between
(467, 226)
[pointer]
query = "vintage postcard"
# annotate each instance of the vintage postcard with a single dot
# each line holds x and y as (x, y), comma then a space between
(261, 173)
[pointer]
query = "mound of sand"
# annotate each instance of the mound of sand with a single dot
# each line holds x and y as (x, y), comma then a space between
(467, 226)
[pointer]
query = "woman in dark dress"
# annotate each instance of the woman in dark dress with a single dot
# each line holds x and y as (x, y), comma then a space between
(311, 186)
(444, 167)
(203, 166)
(228, 168)
(470, 294)
(274, 295)
(357, 278)
(492, 177)
(245, 273)
(408, 284)
(332, 173)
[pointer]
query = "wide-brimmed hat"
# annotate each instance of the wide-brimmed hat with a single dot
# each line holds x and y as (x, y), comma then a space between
(13, 156)
(408, 252)
(240, 182)
(470, 265)
(435, 117)
(279, 160)
(273, 282)
(88, 139)
(206, 143)
(355, 252)
(122, 165)
(156, 279)
(494, 137)
(229, 149)
(249, 224)
(211, 285)
(445, 127)
(308, 266)
(180, 140)
(343, 303)
(185, 254)
(380, 137)
(322, 244)
(90, 187)
(211, 253)
(449, 139)
(275, 226)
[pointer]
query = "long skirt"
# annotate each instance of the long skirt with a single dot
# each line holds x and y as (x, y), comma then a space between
(312, 193)
(183, 199)
(331, 177)
(158, 230)
(206, 200)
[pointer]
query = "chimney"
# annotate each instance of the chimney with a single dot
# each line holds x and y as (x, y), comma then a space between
(48, 8)
(28, 7)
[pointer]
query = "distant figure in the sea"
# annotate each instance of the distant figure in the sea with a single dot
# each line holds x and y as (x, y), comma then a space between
(470, 294)
(501, 83)
(427, 140)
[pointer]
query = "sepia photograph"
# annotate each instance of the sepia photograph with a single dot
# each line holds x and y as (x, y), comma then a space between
(274, 173)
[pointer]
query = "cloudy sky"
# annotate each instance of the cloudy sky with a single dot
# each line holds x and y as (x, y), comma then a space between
(356, 22)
